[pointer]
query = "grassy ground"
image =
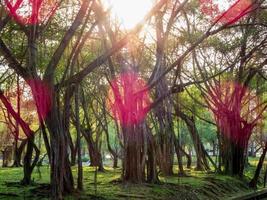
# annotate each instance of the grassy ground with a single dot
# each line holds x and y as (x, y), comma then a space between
(197, 185)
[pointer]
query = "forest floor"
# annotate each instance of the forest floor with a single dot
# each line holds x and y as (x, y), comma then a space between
(197, 185)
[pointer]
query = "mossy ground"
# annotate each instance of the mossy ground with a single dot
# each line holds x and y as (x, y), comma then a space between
(196, 185)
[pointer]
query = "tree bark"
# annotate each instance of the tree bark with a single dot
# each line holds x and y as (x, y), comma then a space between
(188, 157)
(133, 169)
(105, 128)
(166, 132)
(28, 165)
(94, 152)
(78, 129)
(179, 157)
(152, 174)
(18, 152)
(60, 174)
(253, 182)
(4, 154)
(66, 121)
(202, 162)
(92, 145)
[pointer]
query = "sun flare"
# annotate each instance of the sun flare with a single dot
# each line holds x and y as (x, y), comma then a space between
(129, 12)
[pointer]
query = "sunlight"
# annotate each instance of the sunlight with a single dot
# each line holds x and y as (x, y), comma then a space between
(129, 12)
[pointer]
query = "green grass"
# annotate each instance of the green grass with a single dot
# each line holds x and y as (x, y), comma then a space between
(197, 185)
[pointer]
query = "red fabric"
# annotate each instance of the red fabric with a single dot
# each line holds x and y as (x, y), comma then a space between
(237, 10)
(235, 110)
(30, 12)
(128, 100)
(42, 95)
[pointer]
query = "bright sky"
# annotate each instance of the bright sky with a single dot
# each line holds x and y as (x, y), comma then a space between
(129, 12)
(224, 4)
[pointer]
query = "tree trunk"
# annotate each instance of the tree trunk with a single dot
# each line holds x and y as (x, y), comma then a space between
(214, 148)
(202, 162)
(17, 158)
(4, 154)
(163, 111)
(220, 151)
(28, 165)
(73, 153)
(188, 157)
(179, 158)
(78, 129)
(252, 150)
(46, 141)
(105, 127)
(115, 161)
(233, 157)
(66, 121)
(92, 145)
(18, 152)
(60, 174)
(133, 163)
(165, 135)
(152, 174)
(177, 145)
(253, 182)
(94, 152)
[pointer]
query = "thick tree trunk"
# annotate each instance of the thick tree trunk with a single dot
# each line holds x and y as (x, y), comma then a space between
(134, 160)
(163, 111)
(152, 174)
(165, 145)
(165, 135)
(233, 157)
(238, 160)
(166, 141)
(97, 161)
(60, 174)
